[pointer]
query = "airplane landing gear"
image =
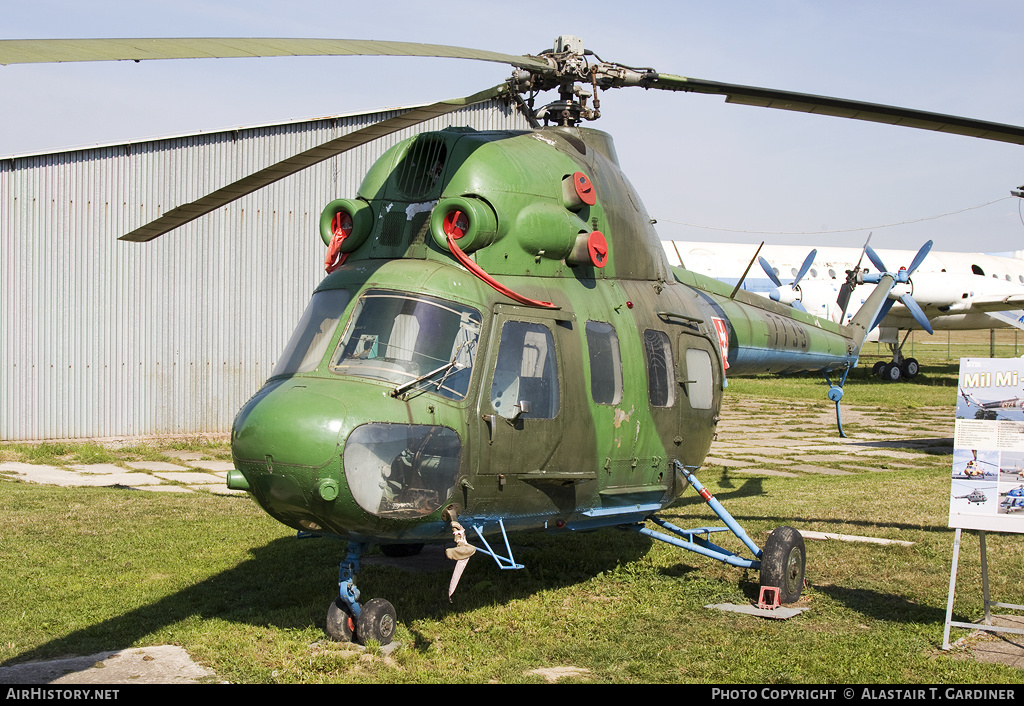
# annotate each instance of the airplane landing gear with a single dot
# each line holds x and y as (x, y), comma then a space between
(899, 368)
(349, 621)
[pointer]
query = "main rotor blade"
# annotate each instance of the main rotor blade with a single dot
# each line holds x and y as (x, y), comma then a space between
(211, 202)
(842, 108)
(36, 51)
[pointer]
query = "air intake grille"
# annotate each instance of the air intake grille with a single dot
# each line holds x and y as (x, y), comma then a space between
(422, 167)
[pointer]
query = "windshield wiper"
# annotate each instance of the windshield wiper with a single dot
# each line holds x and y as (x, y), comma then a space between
(453, 364)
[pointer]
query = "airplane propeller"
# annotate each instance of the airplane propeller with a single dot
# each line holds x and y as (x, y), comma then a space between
(901, 276)
(780, 296)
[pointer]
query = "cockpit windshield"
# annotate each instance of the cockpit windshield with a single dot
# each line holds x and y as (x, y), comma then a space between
(403, 338)
(308, 344)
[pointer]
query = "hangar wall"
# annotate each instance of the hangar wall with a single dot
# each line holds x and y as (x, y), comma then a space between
(107, 338)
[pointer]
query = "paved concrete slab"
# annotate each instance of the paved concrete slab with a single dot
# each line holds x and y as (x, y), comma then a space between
(155, 466)
(725, 462)
(185, 455)
(811, 468)
(758, 449)
(780, 613)
(218, 466)
(188, 477)
(1000, 647)
(164, 488)
(765, 472)
(96, 468)
(164, 664)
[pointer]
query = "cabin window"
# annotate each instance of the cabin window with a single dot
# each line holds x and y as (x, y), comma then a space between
(308, 344)
(401, 339)
(660, 377)
(605, 363)
(525, 380)
(402, 470)
(699, 378)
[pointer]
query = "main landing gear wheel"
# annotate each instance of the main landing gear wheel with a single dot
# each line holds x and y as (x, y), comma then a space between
(376, 621)
(782, 563)
(891, 372)
(341, 626)
(910, 368)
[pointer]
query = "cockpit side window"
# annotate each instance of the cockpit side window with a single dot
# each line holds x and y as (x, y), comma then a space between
(661, 383)
(526, 372)
(605, 363)
(308, 344)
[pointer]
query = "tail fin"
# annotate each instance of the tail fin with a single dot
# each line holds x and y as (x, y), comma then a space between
(862, 323)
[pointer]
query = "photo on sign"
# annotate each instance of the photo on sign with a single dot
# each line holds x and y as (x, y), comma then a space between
(987, 488)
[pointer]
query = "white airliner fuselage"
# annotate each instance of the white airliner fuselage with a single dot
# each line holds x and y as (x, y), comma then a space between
(956, 290)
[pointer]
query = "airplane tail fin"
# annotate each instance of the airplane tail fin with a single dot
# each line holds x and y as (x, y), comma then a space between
(862, 323)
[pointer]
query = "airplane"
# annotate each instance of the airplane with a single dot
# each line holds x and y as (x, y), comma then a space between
(1011, 403)
(500, 343)
(944, 291)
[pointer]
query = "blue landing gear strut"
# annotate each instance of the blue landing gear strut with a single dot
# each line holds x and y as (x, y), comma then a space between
(349, 620)
(781, 562)
(835, 393)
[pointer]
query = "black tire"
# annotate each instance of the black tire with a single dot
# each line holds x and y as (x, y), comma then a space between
(782, 563)
(376, 621)
(876, 369)
(397, 551)
(910, 368)
(892, 372)
(341, 626)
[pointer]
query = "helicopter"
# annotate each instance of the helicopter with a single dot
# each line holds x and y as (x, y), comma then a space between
(975, 496)
(499, 343)
(1013, 499)
(973, 467)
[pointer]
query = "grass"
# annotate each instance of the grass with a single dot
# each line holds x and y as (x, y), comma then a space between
(91, 569)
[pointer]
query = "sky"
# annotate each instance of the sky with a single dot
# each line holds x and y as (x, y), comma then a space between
(706, 170)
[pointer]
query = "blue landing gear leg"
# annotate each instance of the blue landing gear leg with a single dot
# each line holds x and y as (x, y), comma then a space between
(835, 393)
(347, 619)
(781, 563)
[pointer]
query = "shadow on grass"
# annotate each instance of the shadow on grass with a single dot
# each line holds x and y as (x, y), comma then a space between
(289, 584)
(883, 606)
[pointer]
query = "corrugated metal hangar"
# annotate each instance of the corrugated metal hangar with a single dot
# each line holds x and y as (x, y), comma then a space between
(108, 338)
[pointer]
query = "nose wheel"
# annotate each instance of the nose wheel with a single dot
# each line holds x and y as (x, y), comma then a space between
(350, 621)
